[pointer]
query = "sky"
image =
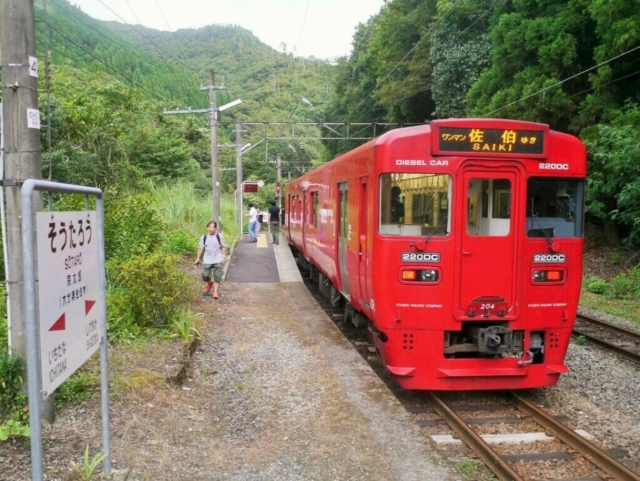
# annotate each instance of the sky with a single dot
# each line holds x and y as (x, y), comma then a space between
(320, 28)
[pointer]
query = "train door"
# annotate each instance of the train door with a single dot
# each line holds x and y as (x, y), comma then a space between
(488, 251)
(363, 229)
(304, 218)
(344, 232)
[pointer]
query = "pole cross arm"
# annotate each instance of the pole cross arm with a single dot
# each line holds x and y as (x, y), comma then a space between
(190, 111)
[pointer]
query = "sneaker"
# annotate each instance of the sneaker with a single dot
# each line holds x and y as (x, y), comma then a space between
(216, 295)
(207, 286)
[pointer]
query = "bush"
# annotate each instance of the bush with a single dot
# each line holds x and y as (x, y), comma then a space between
(626, 285)
(596, 285)
(150, 290)
(80, 386)
(132, 226)
(180, 243)
(122, 325)
(14, 410)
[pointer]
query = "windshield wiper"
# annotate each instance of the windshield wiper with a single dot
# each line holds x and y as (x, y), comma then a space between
(433, 230)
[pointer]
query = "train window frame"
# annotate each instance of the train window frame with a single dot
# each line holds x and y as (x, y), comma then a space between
(489, 206)
(315, 211)
(415, 204)
(554, 207)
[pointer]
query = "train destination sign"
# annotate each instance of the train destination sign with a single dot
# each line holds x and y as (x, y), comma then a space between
(70, 305)
(478, 140)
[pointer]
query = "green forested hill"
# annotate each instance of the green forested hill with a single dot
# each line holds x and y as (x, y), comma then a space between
(571, 64)
(574, 65)
(167, 70)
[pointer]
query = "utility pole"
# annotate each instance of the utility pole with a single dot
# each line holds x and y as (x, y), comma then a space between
(22, 156)
(239, 169)
(213, 120)
(213, 112)
(279, 180)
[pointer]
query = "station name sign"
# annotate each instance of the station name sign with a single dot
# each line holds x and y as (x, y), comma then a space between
(496, 141)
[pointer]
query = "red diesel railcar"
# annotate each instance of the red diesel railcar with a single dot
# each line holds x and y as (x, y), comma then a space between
(458, 245)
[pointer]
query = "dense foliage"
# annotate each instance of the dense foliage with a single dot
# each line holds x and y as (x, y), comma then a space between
(571, 64)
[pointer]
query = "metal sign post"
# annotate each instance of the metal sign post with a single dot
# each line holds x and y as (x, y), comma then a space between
(70, 320)
(71, 256)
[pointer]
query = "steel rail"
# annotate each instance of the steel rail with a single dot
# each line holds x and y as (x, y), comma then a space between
(634, 356)
(589, 450)
(496, 463)
(612, 327)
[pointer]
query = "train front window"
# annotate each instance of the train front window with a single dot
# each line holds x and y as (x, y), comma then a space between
(554, 207)
(489, 207)
(415, 204)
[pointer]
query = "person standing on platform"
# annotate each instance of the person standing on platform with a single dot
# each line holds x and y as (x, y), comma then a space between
(253, 219)
(274, 222)
(259, 216)
(214, 247)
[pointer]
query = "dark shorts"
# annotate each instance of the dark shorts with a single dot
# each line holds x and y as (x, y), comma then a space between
(212, 271)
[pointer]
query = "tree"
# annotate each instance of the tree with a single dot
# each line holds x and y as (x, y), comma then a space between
(613, 188)
(460, 52)
(536, 47)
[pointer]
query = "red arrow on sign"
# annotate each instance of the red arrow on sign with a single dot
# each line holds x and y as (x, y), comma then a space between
(59, 325)
(87, 306)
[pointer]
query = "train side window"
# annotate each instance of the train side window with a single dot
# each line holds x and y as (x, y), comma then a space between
(414, 204)
(554, 207)
(489, 207)
(315, 210)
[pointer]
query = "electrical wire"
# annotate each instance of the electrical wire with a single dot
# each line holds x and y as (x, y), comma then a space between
(304, 19)
(139, 32)
(564, 80)
(127, 48)
(107, 64)
(379, 82)
(184, 54)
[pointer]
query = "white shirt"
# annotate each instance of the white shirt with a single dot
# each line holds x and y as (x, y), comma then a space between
(253, 214)
(212, 249)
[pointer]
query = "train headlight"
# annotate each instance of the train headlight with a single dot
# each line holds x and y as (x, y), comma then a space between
(548, 276)
(429, 275)
(421, 275)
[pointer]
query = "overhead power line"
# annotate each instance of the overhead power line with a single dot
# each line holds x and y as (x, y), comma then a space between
(563, 81)
(304, 19)
(184, 55)
(106, 64)
(380, 82)
(139, 32)
(109, 38)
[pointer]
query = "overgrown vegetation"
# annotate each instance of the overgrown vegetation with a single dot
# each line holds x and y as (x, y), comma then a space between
(148, 294)
(414, 61)
(14, 413)
(625, 285)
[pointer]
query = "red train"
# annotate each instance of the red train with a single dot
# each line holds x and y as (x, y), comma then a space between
(458, 245)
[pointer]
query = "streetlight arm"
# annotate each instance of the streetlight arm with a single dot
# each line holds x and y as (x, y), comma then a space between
(254, 145)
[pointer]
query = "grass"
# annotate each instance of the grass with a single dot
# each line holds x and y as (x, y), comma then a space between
(626, 309)
(183, 208)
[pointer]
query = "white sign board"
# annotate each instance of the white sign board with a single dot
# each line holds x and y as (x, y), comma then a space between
(33, 66)
(70, 305)
(33, 118)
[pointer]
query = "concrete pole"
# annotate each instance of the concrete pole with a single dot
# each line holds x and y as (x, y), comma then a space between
(279, 181)
(22, 156)
(213, 120)
(239, 169)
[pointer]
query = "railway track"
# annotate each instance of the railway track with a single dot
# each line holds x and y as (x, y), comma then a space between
(609, 336)
(551, 446)
(548, 445)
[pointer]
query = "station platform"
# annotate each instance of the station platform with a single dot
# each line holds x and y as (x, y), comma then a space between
(291, 398)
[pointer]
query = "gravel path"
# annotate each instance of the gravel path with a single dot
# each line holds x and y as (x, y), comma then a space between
(278, 394)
